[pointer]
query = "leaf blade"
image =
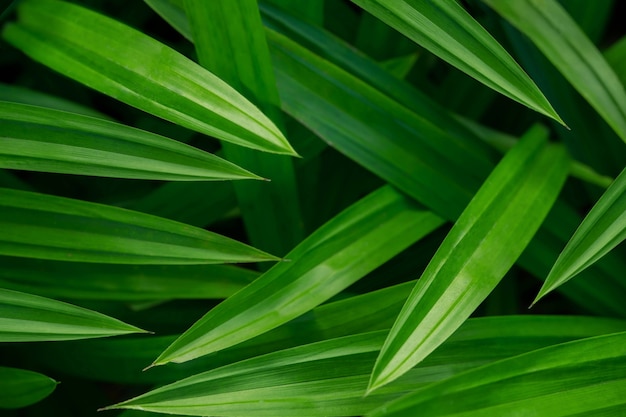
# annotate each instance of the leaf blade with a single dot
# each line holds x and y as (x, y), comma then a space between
(48, 227)
(20, 388)
(30, 318)
(461, 275)
(140, 71)
(40, 139)
(445, 29)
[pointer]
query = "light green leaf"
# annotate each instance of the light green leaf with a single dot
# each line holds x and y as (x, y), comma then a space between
(602, 230)
(30, 318)
(444, 28)
(126, 64)
(482, 246)
(579, 378)
(89, 281)
(41, 139)
(556, 34)
(20, 388)
(48, 227)
(329, 378)
(349, 246)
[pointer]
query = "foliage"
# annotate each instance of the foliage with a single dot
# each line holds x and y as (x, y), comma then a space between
(319, 208)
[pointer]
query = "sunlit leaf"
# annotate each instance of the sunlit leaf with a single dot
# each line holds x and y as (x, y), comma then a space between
(329, 378)
(41, 139)
(444, 28)
(584, 377)
(482, 246)
(48, 227)
(352, 244)
(131, 67)
(28, 318)
(20, 388)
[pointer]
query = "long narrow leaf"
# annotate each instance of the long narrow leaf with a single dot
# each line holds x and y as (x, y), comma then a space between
(603, 229)
(445, 29)
(230, 42)
(29, 318)
(20, 388)
(129, 66)
(87, 281)
(345, 249)
(556, 34)
(41, 139)
(330, 378)
(579, 378)
(484, 243)
(48, 227)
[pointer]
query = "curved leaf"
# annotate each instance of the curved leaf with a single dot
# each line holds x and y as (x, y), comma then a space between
(482, 246)
(581, 378)
(444, 28)
(126, 64)
(47, 227)
(329, 378)
(30, 318)
(42, 139)
(20, 388)
(602, 230)
(352, 244)
(558, 36)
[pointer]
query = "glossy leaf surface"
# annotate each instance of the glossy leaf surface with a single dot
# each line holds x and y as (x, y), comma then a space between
(128, 65)
(584, 377)
(355, 242)
(29, 318)
(558, 36)
(40, 139)
(48, 227)
(329, 378)
(482, 246)
(445, 29)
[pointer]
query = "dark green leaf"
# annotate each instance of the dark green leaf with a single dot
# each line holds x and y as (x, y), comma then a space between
(20, 388)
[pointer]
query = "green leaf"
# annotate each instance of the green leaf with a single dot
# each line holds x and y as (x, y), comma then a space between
(448, 31)
(41, 139)
(584, 377)
(230, 42)
(20, 388)
(352, 244)
(88, 281)
(329, 378)
(556, 34)
(602, 230)
(482, 246)
(48, 227)
(30, 318)
(126, 64)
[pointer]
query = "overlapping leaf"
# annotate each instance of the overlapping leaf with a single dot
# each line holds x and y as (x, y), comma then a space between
(584, 377)
(230, 42)
(352, 244)
(481, 247)
(48, 227)
(556, 34)
(445, 29)
(20, 388)
(329, 378)
(129, 66)
(28, 318)
(603, 229)
(41, 139)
